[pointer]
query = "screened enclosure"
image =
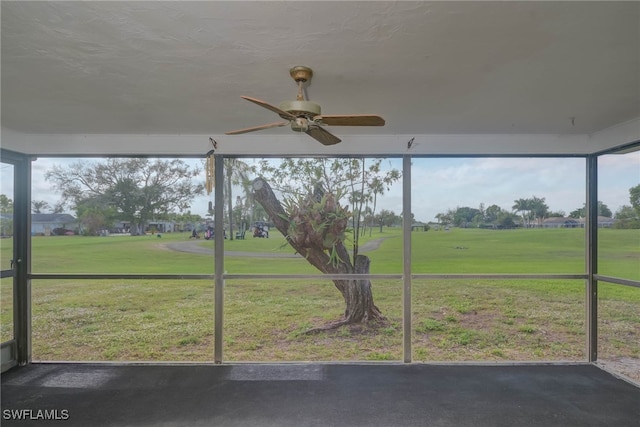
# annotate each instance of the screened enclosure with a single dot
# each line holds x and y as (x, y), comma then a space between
(461, 269)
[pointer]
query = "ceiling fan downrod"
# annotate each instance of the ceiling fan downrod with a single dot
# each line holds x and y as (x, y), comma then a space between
(301, 75)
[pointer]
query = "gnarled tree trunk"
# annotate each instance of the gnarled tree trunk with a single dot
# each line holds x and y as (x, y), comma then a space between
(357, 293)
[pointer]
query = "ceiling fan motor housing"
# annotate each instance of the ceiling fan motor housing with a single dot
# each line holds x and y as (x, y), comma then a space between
(306, 109)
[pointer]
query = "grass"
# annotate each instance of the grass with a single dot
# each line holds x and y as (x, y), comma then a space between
(499, 320)
(116, 320)
(265, 319)
(499, 251)
(454, 251)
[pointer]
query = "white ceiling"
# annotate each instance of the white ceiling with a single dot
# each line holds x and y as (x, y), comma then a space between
(460, 77)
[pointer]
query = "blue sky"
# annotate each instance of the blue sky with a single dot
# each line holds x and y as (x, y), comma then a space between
(445, 183)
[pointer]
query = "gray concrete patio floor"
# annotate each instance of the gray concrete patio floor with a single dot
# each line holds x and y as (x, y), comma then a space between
(319, 395)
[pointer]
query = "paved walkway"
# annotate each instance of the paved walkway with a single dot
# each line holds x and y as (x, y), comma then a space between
(195, 247)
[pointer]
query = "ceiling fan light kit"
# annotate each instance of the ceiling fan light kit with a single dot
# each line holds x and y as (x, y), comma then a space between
(306, 116)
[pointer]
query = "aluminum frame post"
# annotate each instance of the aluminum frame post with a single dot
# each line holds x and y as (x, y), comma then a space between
(591, 225)
(22, 259)
(406, 256)
(218, 216)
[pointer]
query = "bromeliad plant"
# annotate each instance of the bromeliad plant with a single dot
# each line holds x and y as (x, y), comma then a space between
(317, 221)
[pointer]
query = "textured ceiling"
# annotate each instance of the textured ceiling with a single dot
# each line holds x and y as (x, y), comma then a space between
(428, 67)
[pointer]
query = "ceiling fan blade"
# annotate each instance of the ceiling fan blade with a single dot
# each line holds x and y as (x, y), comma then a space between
(352, 120)
(282, 113)
(325, 137)
(267, 126)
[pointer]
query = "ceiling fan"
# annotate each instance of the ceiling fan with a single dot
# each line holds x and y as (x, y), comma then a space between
(305, 116)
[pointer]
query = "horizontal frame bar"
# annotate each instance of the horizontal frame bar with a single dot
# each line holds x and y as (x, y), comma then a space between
(617, 280)
(53, 276)
(499, 276)
(313, 276)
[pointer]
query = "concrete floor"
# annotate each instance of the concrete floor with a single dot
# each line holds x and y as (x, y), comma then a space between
(318, 395)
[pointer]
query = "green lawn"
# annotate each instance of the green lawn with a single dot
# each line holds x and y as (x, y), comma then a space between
(455, 251)
(265, 319)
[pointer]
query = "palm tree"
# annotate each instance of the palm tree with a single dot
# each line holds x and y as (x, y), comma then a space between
(524, 207)
(539, 209)
(237, 174)
(377, 187)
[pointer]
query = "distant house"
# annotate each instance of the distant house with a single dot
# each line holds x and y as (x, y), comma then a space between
(161, 226)
(419, 226)
(561, 222)
(605, 222)
(44, 224)
(158, 226)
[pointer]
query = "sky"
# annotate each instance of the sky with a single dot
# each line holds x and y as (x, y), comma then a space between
(446, 183)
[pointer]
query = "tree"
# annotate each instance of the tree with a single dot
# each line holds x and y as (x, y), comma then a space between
(6, 221)
(603, 210)
(578, 213)
(493, 216)
(316, 229)
(348, 178)
(6, 204)
(378, 184)
(137, 189)
(481, 215)
(523, 206)
(491, 213)
(627, 217)
(238, 212)
(634, 198)
(506, 219)
(559, 213)
(94, 214)
(445, 218)
(464, 215)
(539, 209)
(37, 206)
(58, 208)
(315, 223)
(387, 218)
(237, 174)
(530, 209)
